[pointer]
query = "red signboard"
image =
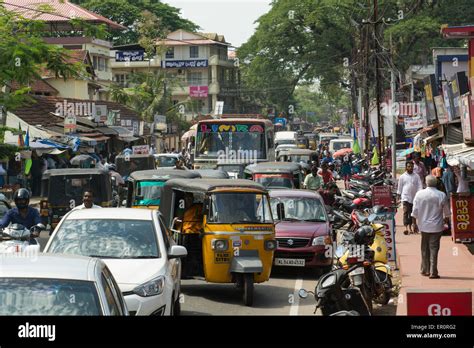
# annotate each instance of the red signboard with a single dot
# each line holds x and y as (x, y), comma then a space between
(462, 216)
(382, 195)
(439, 303)
(198, 91)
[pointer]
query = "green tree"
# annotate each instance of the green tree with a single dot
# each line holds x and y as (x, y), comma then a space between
(130, 13)
(24, 55)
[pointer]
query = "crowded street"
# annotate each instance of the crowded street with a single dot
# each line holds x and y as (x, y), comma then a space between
(286, 158)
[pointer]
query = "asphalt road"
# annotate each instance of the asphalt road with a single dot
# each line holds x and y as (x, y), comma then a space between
(278, 296)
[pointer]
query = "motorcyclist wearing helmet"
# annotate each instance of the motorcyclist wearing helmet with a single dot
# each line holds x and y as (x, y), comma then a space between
(23, 214)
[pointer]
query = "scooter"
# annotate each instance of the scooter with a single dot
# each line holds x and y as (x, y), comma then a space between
(334, 299)
(17, 239)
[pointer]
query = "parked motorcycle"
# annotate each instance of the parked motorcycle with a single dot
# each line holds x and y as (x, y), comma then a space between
(334, 298)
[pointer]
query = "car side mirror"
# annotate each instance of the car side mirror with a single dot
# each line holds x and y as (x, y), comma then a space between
(281, 211)
(177, 252)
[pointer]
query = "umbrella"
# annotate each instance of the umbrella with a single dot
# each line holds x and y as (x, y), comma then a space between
(342, 152)
(76, 161)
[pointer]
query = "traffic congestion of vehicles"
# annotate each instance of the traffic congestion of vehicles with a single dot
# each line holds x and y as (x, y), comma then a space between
(233, 216)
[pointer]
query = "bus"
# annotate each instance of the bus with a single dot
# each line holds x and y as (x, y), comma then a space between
(233, 141)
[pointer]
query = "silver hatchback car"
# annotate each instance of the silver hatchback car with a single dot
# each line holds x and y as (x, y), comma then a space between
(47, 284)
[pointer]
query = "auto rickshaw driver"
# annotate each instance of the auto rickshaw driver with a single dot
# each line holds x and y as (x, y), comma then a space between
(191, 229)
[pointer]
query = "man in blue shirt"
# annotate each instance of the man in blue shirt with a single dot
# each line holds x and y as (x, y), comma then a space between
(23, 214)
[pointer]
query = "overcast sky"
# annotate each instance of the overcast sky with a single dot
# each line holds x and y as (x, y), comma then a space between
(232, 18)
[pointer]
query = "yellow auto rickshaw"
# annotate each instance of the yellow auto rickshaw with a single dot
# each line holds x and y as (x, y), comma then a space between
(144, 186)
(227, 228)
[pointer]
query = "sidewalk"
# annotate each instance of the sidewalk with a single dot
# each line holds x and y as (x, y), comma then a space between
(455, 265)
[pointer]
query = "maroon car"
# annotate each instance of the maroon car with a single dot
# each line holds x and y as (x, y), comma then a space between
(304, 232)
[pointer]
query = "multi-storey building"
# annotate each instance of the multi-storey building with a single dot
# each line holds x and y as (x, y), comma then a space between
(197, 66)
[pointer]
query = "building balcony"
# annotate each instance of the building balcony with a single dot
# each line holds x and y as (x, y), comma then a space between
(215, 60)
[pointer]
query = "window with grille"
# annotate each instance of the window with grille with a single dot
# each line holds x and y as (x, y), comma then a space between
(195, 78)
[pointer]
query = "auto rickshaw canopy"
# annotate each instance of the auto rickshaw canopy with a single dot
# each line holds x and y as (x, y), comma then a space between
(161, 174)
(273, 167)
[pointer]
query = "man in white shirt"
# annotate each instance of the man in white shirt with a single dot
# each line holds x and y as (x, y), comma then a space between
(408, 185)
(429, 207)
(87, 201)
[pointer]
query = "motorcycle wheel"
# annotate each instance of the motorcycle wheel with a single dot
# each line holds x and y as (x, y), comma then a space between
(385, 296)
(367, 293)
(248, 289)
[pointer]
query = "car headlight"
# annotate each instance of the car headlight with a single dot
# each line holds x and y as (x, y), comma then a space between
(321, 240)
(271, 244)
(151, 288)
(329, 281)
(220, 244)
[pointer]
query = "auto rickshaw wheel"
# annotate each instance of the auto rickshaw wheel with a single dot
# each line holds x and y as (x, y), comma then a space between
(248, 289)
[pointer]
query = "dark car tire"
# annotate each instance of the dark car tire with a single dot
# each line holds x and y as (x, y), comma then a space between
(176, 307)
(248, 288)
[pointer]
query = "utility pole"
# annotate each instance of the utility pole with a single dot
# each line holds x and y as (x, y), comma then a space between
(380, 141)
(366, 86)
(394, 116)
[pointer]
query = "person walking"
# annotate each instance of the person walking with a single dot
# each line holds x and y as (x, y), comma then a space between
(346, 170)
(430, 206)
(419, 168)
(408, 185)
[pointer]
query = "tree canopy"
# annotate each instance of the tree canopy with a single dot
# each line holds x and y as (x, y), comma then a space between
(323, 40)
(129, 13)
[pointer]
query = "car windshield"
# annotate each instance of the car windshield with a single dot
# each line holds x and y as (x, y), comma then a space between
(301, 209)
(166, 161)
(274, 181)
(149, 192)
(341, 145)
(225, 145)
(106, 238)
(29, 296)
(228, 208)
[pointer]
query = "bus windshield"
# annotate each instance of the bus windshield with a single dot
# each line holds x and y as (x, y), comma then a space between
(231, 144)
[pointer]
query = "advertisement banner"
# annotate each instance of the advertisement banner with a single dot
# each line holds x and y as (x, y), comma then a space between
(198, 91)
(465, 118)
(129, 56)
(430, 92)
(448, 101)
(70, 124)
(141, 150)
(193, 63)
(456, 97)
(382, 195)
(413, 123)
(389, 229)
(462, 209)
(441, 110)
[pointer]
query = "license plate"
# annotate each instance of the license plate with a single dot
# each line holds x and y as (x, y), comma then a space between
(357, 271)
(290, 262)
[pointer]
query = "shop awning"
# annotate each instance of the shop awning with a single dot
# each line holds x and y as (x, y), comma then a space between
(107, 130)
(124, 134)
(455, 152)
